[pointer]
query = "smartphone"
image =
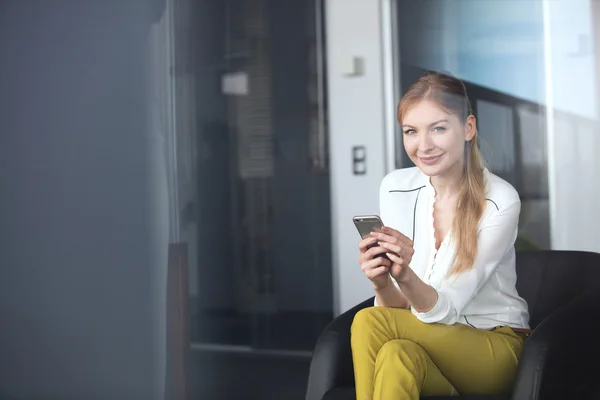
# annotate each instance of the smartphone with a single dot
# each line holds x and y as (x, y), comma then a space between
(367, 224)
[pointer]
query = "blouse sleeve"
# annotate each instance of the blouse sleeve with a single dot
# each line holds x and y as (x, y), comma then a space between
(496, 237)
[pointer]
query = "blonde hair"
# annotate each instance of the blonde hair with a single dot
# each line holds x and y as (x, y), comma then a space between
(451, 95)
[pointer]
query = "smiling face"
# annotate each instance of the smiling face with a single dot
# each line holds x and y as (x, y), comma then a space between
(434, 138)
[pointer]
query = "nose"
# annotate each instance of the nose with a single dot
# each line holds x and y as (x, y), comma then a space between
(425, 143)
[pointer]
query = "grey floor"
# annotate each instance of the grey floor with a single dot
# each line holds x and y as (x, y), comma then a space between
(237, 376)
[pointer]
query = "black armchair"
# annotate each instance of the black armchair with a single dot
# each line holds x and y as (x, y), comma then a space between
(560, 360)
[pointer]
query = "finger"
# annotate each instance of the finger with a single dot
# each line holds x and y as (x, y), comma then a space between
(375, 272)
(394, 232)
(376, 262)
(392, 247)
(397, 234)
(395, 259)
(383, 237)
(394, 240)
(374, 251)
(365, 243)
(365, 257)
(391, 231)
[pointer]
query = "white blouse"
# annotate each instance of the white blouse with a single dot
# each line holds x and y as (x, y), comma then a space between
(484, 296)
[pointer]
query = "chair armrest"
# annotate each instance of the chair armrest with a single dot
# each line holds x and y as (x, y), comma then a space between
(331, 364)
(560, 358)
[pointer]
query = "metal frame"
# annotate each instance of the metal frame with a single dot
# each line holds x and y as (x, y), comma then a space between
(226, 348)
(548, 76)
(391, 83)
(171, 122)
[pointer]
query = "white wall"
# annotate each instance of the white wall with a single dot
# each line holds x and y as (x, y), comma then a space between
(356, 117)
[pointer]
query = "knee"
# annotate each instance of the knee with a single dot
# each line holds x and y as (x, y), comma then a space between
(406, 352)
(399, 347)
(370, 317)
(365, 319)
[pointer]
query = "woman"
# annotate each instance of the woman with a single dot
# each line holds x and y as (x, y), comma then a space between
(447, 318)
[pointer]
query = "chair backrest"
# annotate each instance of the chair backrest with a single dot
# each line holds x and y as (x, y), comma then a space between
(549, 279)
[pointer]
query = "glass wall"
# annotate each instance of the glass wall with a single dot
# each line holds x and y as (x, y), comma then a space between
(252, 177)
(512, 56)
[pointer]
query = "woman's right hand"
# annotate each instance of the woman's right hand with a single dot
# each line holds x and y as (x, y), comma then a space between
(373, 263)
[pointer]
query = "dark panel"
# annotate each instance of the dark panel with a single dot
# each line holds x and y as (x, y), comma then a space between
(75, 283)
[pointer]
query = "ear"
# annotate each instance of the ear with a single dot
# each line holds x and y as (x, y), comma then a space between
(470, 128)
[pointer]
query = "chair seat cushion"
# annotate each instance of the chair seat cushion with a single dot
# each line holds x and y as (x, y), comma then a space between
(348, 393)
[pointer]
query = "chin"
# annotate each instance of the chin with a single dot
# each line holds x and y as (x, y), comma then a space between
(432, 170)
(442, 168)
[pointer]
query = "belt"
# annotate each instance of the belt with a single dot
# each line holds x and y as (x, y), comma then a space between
(522, 330)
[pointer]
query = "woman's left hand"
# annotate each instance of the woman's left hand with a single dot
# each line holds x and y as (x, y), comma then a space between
(400, 250)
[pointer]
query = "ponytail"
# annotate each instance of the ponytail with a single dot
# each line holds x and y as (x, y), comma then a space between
(469, 209)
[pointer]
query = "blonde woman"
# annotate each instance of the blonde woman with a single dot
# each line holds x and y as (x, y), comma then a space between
(447, 318)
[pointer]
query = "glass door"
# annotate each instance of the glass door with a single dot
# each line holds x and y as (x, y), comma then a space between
(497, 49)
(253, 179)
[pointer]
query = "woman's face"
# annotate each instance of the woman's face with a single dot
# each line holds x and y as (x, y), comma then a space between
(435, 139)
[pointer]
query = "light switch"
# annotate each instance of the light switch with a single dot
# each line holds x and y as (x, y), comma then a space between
(359, 160)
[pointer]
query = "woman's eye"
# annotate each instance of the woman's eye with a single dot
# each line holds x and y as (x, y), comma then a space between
(409, 131)
(439, 129)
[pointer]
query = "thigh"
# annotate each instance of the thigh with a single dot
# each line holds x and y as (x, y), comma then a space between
(475, 361)
(398, 356)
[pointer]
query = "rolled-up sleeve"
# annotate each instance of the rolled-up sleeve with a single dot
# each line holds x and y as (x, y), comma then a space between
(496, 236)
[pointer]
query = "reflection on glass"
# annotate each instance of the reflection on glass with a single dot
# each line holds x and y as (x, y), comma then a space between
(253, 182)
(534, 160)
(533, 175)
(496, 48)
(496, 130)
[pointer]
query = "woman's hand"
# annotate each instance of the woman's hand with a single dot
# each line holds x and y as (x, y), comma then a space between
(399, 250)
(373, 262)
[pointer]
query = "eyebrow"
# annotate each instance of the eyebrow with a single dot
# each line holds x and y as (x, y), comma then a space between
(430, 125)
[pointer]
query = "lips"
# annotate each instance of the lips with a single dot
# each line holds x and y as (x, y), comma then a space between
(430, 160)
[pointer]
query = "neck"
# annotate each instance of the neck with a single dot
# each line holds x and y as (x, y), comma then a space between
(448, 185)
